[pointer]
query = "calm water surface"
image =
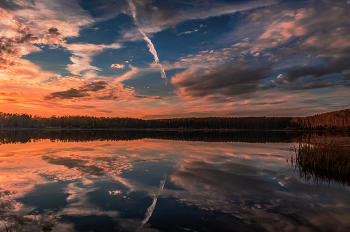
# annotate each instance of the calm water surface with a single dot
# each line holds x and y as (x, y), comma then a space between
(162, 185)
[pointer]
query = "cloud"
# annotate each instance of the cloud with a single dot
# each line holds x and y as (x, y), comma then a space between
(94, 91)
(274, 36)
(128, 75)
(11, 49)
(24, 30)
(107, 98)
(229, 80)
(68, 94)
(13, 5)
(78, 93)
(147, 97)
(188, 32)
(94, 86)
(52, 37)
(82, 54)
(15, 40)
(303, 28)
(25, 27)
(154, 53)
(154, 17)
(147, 39)
(54, 31)
(67, 17)
(120, 66)
(47, 22)
(333, 65)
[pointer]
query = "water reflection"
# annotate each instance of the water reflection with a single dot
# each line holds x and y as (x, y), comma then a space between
(162, 185)
(25, 136)
(318, 176)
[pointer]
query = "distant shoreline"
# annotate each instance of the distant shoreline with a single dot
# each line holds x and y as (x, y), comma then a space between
(168, 129)
(23, 135)
(327, 122)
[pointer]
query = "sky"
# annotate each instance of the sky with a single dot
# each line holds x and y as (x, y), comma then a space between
(174, 58)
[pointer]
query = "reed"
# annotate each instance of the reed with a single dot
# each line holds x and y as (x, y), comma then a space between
(323, 161)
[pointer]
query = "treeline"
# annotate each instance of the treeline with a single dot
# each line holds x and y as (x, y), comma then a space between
(28, 121)
(339, 120)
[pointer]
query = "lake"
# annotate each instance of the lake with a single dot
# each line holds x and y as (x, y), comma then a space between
(162, 181)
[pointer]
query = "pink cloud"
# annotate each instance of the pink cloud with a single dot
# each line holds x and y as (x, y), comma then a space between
(82, 54)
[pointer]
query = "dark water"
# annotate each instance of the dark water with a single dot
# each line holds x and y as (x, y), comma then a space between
(162, 181)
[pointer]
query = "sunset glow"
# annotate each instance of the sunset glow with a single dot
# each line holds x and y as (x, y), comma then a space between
(164, 59)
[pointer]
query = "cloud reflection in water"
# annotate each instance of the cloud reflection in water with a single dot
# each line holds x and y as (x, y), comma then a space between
(248, 186)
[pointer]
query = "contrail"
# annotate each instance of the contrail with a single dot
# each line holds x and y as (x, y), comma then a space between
(147, 39)
(150, 209)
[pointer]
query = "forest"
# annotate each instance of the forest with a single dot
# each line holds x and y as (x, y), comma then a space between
(339, 120)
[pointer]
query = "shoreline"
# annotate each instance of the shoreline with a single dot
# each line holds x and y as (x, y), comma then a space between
(171, 129)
